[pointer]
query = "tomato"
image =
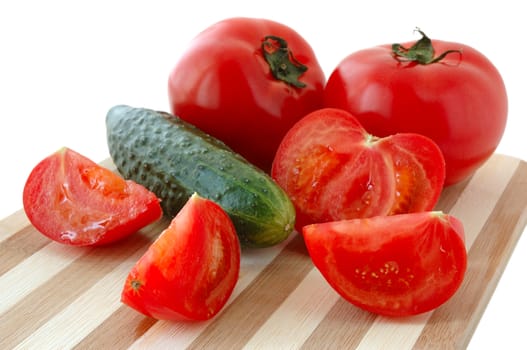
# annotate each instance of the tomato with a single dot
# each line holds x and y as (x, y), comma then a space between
(191, 269)
(446, 91)
(391, 265)
(246, 81)
(72, 200)
(332, 169)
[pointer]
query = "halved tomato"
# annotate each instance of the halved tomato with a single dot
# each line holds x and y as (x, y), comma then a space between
(391, 265)
(190, 271)
(332, 169)
(73, 200)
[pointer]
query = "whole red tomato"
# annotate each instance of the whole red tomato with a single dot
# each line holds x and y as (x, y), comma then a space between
(447, 91)
(246, 81)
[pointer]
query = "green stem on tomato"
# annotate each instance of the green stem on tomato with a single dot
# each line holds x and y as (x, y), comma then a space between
(281, 61)
(422, 52)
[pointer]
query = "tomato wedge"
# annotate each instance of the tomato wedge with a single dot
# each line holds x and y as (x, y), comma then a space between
(332, 169)
(75, 201)
(396, 265)
(190, 271)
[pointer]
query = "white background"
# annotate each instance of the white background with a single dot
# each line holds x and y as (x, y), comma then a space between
(63, 64)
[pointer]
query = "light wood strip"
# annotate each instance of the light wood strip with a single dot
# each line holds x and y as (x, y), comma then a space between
(482, 194)
(12, 224)
(490, 247)
(469, 208)
(298, 316)
(387, 332)
(34, 271)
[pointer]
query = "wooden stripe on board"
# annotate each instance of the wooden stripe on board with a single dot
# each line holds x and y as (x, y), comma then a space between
(19, 246)
(131, 325)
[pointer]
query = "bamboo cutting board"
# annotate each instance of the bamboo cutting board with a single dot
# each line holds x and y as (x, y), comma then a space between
(59, 297)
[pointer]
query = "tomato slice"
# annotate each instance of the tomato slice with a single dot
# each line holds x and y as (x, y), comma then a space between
(190, 271)
(75, 201)
(332, 169)
(395, 265)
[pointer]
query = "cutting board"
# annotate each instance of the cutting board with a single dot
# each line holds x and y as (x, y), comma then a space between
(56, 296)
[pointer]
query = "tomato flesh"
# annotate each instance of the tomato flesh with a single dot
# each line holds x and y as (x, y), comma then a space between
(75, 201)
(191, 269)
(395, 265)
(332, 169)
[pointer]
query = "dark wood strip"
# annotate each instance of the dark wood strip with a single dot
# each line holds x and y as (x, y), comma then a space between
(13, 222)
(343, 328)
(247, 313)
(20, 246)
(450, 195)
(132, 325)
(451, 321)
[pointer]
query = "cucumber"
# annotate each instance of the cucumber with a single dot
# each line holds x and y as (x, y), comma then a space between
(174, 159)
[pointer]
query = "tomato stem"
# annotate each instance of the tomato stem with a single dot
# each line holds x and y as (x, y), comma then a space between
(281, 61)
(370, 139)
(136, 285)
(438, 214)
(422, 52)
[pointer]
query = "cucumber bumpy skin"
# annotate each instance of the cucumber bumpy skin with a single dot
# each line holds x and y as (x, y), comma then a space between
(174, 159)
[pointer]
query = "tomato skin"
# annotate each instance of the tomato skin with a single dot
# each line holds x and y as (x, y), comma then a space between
(72, 200)
(396, 265)
(332, 169)
(459, 102)
(223, 85)
(191, 269)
